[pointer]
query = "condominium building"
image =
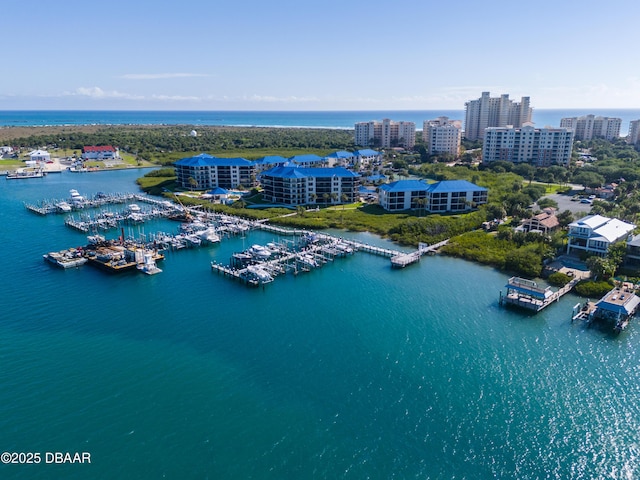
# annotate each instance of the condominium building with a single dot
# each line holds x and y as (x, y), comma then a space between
(385, 134)
(206, 171)
(488, 112)
(439, 197)
(539, 146)
(442, 136)
(588, 127)
(634, 133)
(292, 185)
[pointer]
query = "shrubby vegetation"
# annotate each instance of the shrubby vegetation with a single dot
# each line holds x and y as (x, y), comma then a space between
(166, 144)
(559, 279)
(592, 289)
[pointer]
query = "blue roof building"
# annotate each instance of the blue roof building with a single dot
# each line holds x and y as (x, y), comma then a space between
(340, 159)
(439, 197)
(292, 185)
(206, 171)
(309, 160)
(270, 161)
(367, 157)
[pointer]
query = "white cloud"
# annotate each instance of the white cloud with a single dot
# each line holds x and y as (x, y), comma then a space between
(158, 76)
(97, 92)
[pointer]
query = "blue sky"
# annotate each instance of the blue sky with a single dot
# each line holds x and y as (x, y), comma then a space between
(317, 55)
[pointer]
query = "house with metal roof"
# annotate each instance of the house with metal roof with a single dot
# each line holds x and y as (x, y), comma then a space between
(100, 152)
(308, 160)
(340, 159)
(594, 234)
(206, 171)
(40, 156)
(293, 185)
(366, 157)
(270, 161)
(439, 197)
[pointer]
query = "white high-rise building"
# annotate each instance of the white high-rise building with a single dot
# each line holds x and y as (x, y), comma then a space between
(589, 127)
(488, 112)
(442, 135)
(385, 134)
(634, 132)
(539, 146)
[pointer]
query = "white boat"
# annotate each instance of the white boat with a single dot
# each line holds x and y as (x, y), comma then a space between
(63, 207)
(66, 258)
(209, 235)
(25, 173)
(193, 240)
(260, 274)
(96, 239)
(149, 265)
(259, 252)
(134, 208)
(343, 247)
(307, 260)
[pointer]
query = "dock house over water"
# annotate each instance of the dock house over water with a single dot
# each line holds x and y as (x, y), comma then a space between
(616, 307)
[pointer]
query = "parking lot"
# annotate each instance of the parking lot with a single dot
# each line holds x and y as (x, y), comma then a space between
(565, 203)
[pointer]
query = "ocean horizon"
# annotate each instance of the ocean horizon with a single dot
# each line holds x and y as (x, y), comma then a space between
(291, 119)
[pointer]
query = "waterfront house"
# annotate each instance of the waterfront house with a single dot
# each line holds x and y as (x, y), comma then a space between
(102, 152)
(594, 234)
(633, 251)
(40, 156)
(439, 197)
(293, 185)
(206, 171)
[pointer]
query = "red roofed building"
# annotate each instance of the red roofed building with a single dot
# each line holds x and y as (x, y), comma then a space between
(545, 222)
(104, 152)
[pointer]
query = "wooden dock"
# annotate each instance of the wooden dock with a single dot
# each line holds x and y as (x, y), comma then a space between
(527, 294)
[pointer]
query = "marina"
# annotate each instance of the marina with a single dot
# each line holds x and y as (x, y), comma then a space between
(400, 372)
(258, 265)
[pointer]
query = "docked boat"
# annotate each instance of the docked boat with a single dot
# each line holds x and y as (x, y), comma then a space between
(308, 260)
(260, 274)
(66, 258)
(259, 252)
(149, 266)
(209, 235)
(23, 173)
(63, 207)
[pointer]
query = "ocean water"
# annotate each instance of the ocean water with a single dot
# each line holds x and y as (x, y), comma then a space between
(322, 119)
(351, 371)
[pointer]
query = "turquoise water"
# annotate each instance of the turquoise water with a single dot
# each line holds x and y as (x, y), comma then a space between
(351, 371)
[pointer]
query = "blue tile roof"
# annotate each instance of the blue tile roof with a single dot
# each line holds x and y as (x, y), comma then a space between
(271, 159)
(404, 186)
(218, 191)
(204, 160)
(340, 154)
(366, 152)
(302, 172)
(309, 158)
(446, 186)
